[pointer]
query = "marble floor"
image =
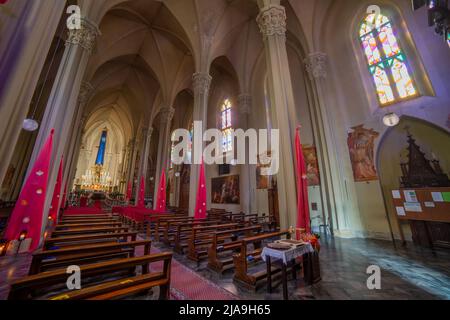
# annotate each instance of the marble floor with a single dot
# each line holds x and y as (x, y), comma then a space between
(406, 273)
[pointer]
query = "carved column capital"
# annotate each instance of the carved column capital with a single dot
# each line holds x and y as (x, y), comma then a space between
(85, 93)
(85, 37)
(245, 103)
(167, 115)
(272, 21)
(316, 65)
(202, 82)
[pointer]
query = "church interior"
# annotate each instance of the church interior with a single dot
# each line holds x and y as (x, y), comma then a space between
(108, 109)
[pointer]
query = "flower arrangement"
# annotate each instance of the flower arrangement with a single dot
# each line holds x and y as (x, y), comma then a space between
(312, 238)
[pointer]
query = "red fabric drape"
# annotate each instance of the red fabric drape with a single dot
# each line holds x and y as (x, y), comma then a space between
(161, 197)
(141, 197)
(303, 220)
(200, 205)
(29, 210)
(54, 208)
(129, 191)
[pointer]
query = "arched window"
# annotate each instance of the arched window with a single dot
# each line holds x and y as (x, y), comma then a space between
(386, 61)
(226, 126)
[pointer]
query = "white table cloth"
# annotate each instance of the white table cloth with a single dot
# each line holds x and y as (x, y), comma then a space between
(287, 255)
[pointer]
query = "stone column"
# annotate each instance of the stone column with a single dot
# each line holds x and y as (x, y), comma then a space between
(143, 167)
(162, 161)
(272, 24)
(76, 150)
(61, 106)
(73, 148)
(324, 125)
(28, 29)
(202, 82)
(132, 161)
(247, 188)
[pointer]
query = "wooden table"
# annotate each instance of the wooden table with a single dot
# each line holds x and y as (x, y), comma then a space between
(284, 258)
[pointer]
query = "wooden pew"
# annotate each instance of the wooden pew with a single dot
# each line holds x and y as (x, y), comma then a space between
(100, 289)
(88, 220)
(152, 223)
(182, 232)
(219, 246)
(240, 260)
(83, 231)
(67, 226)
(86, 216)
(201, 237)
(164, 227)
(89, 238)
(44, 260)
(163, 221)
(177, 232)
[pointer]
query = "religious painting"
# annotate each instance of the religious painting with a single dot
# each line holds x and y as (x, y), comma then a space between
(312, 165)
(361, 145)
(262, 181)
(225, 190)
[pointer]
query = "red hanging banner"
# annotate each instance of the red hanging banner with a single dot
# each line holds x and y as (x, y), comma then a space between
(54, 208)
(303, 220)
(129, 191)
(141, 199)
(161, 197)
(26, 218)
(200, 205)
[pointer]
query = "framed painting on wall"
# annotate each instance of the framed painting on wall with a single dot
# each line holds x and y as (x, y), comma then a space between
(225, 190)
(361, 145)
(312, 165)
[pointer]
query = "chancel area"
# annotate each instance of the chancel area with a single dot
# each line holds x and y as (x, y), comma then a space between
(225, 150)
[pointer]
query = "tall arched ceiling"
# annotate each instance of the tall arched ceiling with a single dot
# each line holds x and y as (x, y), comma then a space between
(173, 39)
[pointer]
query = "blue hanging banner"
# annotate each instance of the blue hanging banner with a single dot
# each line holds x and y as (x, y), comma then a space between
(101, 150)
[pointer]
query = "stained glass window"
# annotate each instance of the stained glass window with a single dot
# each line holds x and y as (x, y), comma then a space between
(386, 60)
(226, 126)
(100, 160)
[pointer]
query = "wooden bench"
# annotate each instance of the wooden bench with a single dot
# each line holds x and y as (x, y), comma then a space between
(89, 238)
(201, 237)
(88, 221)
(167, 231)
(84, 231)
(87, 216)
(218, 246)
(67, 226)
(152, 223)
(101, 289)
(50, 259)
(241, 263)
(182, 232)
(162, 223)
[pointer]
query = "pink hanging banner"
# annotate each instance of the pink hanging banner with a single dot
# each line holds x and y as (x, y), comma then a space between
(26, 218)
(200, 205)
(54, 208)
(161, 199)
(129, 191)
(303, 220)
(141, 199)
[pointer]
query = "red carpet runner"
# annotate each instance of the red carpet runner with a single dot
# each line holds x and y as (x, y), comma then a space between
(188, 285)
